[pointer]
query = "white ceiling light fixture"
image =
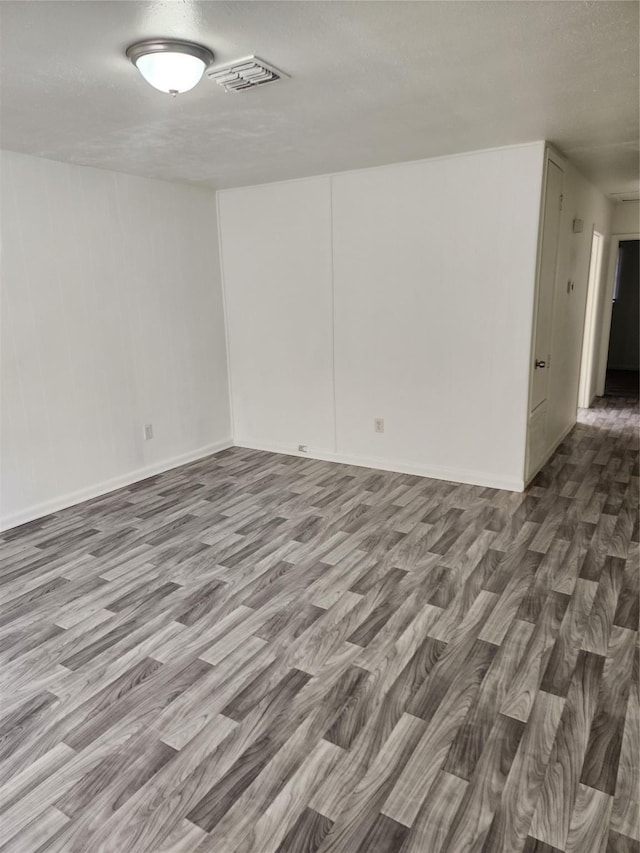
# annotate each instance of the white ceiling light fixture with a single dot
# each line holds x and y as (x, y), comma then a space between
(170, 65)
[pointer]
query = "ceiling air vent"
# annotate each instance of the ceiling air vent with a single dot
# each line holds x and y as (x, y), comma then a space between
(245, 74)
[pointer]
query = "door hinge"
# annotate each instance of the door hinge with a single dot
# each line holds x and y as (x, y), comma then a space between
(561, 200)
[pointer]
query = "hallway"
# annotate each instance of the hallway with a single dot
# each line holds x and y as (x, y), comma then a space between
(622, 383)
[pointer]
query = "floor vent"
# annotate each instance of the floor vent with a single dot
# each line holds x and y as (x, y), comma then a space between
(245, 74)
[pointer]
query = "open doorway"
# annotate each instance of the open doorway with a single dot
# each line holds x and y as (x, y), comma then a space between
(610, 350)
(588, 366)
(622, 376)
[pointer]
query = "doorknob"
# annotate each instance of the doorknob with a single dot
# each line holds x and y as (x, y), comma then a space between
(540, 363)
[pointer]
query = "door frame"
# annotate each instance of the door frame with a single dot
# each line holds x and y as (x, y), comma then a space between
(590, 352)
(607, 309)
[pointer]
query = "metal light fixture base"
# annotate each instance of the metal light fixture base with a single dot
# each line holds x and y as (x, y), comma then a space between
(159, 45)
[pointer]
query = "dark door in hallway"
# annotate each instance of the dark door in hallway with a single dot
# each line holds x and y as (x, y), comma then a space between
(623, 361)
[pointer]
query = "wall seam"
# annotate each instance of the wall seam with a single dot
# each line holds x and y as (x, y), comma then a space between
(333, 319)
(225, 314)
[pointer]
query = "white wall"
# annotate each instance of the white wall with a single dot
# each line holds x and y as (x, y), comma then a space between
(432, 289)
(111, 319)
(581, 201)
(276, 244)
(626, 218)
(434, 270)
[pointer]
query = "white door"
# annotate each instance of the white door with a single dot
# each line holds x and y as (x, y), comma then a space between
(546, 286)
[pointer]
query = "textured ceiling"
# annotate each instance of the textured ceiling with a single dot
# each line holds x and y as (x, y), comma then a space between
(371, 83)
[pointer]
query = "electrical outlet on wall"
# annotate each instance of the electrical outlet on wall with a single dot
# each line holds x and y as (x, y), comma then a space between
(302, 448)
(378, 424)
(148, 432)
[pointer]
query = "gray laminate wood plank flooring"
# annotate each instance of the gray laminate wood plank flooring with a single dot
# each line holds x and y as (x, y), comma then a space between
(264, 654)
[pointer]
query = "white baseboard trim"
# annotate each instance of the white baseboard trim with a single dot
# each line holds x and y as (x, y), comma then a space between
(456, 475)
(95, 491)
(556, 444)
(435, 472)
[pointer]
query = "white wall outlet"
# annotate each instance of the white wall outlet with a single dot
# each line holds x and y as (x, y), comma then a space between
(148, 431)
(378, 424)
(302, 448)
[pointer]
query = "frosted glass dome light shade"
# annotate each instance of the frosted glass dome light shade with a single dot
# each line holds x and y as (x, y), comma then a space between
(169, 65)
(171, 72)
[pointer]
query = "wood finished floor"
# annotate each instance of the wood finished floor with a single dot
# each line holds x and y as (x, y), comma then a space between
(258, 654)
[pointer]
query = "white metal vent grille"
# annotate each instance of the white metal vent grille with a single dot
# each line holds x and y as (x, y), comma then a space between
(245, 74)
(631, 195)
